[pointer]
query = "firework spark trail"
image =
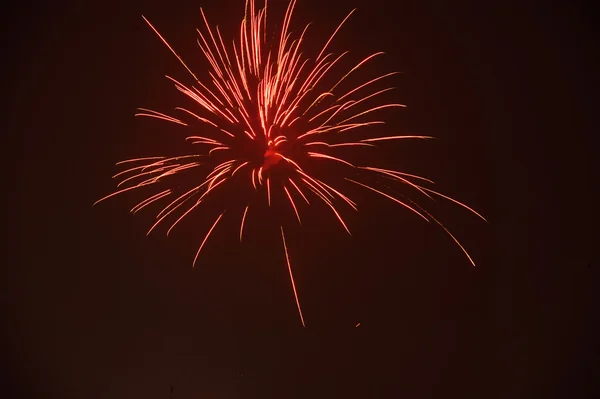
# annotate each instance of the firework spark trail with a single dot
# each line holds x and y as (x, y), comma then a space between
(287, 259)
(256, 92)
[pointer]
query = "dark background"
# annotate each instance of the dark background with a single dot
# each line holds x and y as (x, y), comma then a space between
(94, 309)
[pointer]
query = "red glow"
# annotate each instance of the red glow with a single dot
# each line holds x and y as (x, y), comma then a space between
(255, 91)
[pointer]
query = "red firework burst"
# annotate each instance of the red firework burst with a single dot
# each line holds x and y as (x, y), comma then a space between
(268, 117)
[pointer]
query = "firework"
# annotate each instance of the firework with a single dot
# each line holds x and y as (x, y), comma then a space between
(269, 115)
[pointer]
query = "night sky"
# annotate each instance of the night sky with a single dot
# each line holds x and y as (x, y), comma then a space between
(92, 308)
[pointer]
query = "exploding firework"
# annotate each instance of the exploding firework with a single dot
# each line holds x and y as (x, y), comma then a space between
(270, 117)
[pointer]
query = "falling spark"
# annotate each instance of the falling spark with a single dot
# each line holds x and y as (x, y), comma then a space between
(269, 115)
(287, 259)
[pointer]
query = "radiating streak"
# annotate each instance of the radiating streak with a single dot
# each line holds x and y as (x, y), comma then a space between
(218, 149)
(357, 125)
(302, 92)
(213, 38)
(291, 161)
(142, 167)
(219, 168)
(390, 197)
(138, 159)
(339, 218)
(185, 197)
(227, 133)
(314, 181)
(287, 258)
(293, 204)
(395, 138)
(209, 182)
(160, 163)
(202, 142)
(342, 196)
(451, 236)
(351, 145)
(314, 189)
(355, 68)
(397, 177)
(337, 111)
(300, 191)
(119, 192)
(373, 110)
(206, 238)
(370, 96)
(286, 21)
(317, 73)
(150, 200)
(212, 183)
(177, 169)
(327, 188)
(334, 33)
(158, 115)
(170, 48)
(313, 80)
(323, 112)
(203, 139)
(259, 175)
(201, 99)
(292, 76)
(187, 194)
(456, 202)
(365, 85)
(183, 216)
(207, 121)
(239, 167)
(316, 101)
(253, 179)
(395, 172)
(319, 155)
(317, 143)
(401, 174)
(340, 128)
(243, 220)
